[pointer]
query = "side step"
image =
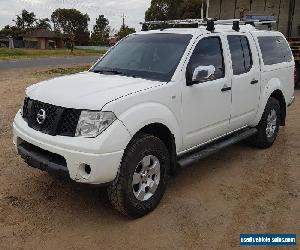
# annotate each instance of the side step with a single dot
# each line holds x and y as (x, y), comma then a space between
(205, 151)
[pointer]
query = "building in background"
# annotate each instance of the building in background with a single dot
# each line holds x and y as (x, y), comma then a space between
(286, 12)
(42, 39)
(113, 40)
(4, 42)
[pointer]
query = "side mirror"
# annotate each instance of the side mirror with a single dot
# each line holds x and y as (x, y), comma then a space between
(202, 74)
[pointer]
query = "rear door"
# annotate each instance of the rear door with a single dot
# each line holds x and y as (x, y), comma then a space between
(245, 81)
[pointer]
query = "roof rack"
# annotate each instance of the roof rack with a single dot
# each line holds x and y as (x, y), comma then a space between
(208, 22)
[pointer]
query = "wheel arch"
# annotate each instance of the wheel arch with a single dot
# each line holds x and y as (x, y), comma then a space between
(272, 89)
(278, 95)
(162, 132)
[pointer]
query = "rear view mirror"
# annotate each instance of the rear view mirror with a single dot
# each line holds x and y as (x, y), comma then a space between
(202, 74)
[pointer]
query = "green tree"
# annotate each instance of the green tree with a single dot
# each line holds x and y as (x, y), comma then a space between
(72, 24)
(101, 30)
(25, 20)
(43, 23)
(189, 9)
(162, 10)
(125, 31)
(101, 24)
(175, 9)
(12, 31)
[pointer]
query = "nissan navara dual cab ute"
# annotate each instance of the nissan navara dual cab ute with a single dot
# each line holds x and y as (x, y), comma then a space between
(157, 100)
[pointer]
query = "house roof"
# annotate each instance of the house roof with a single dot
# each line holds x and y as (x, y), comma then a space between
(4, 39)
(41, 33)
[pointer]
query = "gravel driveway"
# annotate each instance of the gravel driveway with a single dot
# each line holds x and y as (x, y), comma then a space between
(206, 206)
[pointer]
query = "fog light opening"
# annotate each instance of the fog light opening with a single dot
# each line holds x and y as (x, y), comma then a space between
(87, 169)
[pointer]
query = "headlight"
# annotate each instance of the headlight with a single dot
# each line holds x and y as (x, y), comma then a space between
(93, 123)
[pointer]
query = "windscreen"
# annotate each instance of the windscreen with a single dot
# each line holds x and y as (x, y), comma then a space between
(149, 56)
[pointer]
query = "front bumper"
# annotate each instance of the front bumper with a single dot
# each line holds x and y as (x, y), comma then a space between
(102, 154)
(43, 160)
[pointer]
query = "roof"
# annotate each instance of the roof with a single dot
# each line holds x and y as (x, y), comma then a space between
(4, 39)
(41, 33)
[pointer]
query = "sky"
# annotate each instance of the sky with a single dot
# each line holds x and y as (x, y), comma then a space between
(134, 10)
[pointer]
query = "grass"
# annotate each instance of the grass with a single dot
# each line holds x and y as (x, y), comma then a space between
(9, 54)
(63, 71)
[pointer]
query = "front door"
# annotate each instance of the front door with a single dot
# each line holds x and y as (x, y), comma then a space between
(206, 105)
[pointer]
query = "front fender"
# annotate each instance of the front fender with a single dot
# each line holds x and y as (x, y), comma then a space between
(272, 85)
(145, 114)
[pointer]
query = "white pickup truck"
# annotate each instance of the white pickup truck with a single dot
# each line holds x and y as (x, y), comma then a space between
(157, 100)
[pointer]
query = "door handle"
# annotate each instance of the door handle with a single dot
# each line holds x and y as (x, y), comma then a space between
(254, 82)
(225, 88)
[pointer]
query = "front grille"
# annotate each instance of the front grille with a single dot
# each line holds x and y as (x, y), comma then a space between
(69, 122)
(48, 125)
(58, 120)
(25, 107)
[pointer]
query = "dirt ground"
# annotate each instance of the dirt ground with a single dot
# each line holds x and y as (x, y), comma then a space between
(206, 206)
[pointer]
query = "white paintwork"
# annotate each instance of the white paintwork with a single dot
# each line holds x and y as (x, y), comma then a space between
(205, 108)
(103, 153)
(274, 77)
(87, 90)
(194, 114)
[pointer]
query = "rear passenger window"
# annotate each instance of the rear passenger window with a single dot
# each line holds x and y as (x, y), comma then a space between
(247, 53)
(240, 54)
(208, 52)
(274, 50)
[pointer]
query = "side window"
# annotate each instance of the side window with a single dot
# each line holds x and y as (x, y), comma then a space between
(208, 52)
(241, 56)
(247, 53)
(274, 50)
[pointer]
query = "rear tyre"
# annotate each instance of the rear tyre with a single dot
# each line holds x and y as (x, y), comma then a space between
(268, 126)
(142, 177)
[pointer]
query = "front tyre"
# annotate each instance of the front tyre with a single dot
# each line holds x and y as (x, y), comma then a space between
(268, 126)
(142, 177)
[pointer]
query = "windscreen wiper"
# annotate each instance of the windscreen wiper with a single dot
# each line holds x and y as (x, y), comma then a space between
(113, 72)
